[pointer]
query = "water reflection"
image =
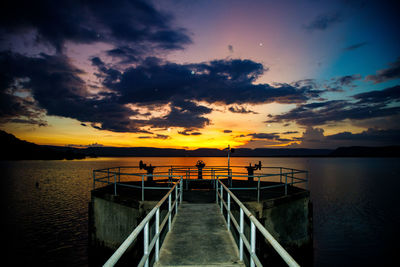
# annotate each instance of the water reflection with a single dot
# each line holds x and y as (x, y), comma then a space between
(355, 215)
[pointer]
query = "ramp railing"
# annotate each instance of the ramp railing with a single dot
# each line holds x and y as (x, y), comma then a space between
(154, 243)
(250, 245)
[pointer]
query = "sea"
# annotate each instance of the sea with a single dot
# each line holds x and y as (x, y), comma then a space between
(356, 214)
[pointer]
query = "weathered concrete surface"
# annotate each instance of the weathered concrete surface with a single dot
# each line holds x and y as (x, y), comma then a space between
(199, 237)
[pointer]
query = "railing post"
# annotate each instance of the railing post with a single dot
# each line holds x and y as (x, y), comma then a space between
(119, 174)
(216, 192)
(176, 199)
(187, 178)
(228, 215)
(241, 232)
(280, 174)
(307, 186)
(115, 184)
(292, 176)
(169, 210)
(181, 190)
(222, 199)
(252, 243)
(142, 187)
(157, 232)
(258, 189)
(108, 175)
(146, 242)
(285, 184)
(94, 180)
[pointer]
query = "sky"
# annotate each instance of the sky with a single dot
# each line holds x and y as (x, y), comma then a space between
(192, 74)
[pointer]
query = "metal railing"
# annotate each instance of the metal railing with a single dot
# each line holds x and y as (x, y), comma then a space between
(254, 224)
(284, 177)
(149, 245)
(113, 176)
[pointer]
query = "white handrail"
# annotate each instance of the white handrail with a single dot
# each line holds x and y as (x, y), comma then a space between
(144, 225)
(255, 224)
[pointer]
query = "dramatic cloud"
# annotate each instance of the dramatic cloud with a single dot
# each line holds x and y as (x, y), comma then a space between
(337, 84)
(391, 94)
(393, 72)
(188, 132)
(219, 81)
(158, 136)
(237, 109)
(227, 131)
(355, 46)
(324, 21)
(290, 132)
(315, 138)
(135, 23)
(57, 88)
(373, 104)
(184, 114)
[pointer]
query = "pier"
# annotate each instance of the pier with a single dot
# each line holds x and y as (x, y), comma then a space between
(213, 216)
(196, 239)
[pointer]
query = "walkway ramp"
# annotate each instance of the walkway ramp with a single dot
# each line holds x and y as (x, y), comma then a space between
(199, 237)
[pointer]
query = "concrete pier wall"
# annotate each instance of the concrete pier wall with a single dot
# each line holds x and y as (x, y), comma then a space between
(112, 221)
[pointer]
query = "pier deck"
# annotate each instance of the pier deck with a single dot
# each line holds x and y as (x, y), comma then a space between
(199, 237)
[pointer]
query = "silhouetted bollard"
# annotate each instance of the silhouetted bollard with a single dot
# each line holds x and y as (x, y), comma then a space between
(149, 169)
(200, 165)
(251, 169)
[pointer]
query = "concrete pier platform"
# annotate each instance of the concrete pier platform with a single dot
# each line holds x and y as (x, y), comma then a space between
(199, 237)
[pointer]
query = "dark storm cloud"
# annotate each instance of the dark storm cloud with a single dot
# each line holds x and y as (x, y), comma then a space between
(290, 132)
(369, 105)
(158, 136)
(337, 84)
(219, 81)
(355, 46)
(391, 94)
(324, 21)
(238, 109)
(268, 136)
(393, 72)
(125, 54)
(390, 136)
(184, 114)
(56, 86)
(348, 80)
(91, 21)
(188, 132)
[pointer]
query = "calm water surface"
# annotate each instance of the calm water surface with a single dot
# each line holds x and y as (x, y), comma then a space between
(355, 200)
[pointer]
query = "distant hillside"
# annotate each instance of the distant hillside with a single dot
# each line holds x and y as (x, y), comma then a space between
(16, 149)
(202, 152)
